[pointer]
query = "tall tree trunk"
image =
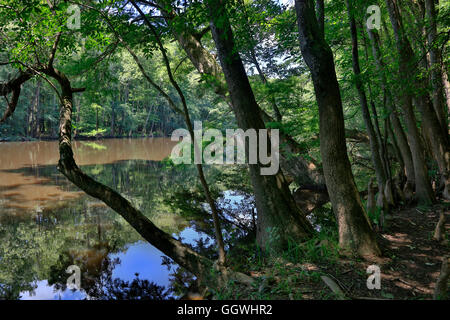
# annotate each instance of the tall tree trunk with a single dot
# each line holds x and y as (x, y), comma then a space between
(355, 230)
(181, 254)
(437, 136)
(302, 170)
(96, 119)
(144, 130)
(446, 84)
(396, 149)
(435, 65)
(375, 147)
(279, 218)
(185, 112)
(384, 154)
(34, 113)
(424, 192)
(113, 119)
(397, 126)
(320, 12)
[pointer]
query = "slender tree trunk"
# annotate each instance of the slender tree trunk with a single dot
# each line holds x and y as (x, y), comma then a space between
(113, 118)
(279, 218)
(263, 78)
(355, 230)
(446, 84)
(397, 127)
(185, 112)
(96, 119)
(304, 171)
(181, 254)
(144, 130)
(435, 65)
(34, 112)
(375, 147)
(423, 187)
(254, 59)
(383, 150)
(396, 149)
(438, 137)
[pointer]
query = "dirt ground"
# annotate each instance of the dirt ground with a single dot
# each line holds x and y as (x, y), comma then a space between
(410, 265)
(411, 260)
(409, 268)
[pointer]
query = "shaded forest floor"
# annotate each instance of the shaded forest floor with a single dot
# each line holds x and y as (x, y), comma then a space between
(410, 265)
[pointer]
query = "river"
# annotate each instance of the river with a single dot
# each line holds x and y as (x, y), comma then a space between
(47, 224)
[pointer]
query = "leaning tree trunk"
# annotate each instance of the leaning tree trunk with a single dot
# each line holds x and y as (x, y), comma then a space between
(279, 219)
(14, 87)
(185, 112)
(355, 230)
(305, 172)
(181, 254)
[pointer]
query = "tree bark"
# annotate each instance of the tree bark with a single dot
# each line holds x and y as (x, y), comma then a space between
(396, 125)
(209, 199)
(279, 219)
(446, 84)
(370, 198)
(302, 170)
(435, 65)
(439, 231)
(320, 12)
(438, 137)
(355, 230)
(181, 254)
(374, 145)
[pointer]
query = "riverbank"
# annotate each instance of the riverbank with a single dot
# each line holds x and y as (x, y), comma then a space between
(76, 138)
(410, 265)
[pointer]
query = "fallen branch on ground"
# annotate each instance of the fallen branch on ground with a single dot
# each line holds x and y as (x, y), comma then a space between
(334, 287)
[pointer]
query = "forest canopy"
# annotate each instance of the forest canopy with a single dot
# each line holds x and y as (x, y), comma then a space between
(358, 90)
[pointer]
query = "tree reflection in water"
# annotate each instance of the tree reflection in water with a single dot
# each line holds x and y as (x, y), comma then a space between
(46, 225)
(98, 282)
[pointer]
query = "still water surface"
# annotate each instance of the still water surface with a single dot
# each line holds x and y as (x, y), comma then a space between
(47, 224)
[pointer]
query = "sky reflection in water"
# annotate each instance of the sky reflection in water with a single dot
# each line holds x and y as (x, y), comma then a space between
(47, 224)
(141, 257)
(38, 206)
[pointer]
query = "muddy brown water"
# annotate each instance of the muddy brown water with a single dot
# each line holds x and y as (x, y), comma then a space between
(47, 224)
(21, 191)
